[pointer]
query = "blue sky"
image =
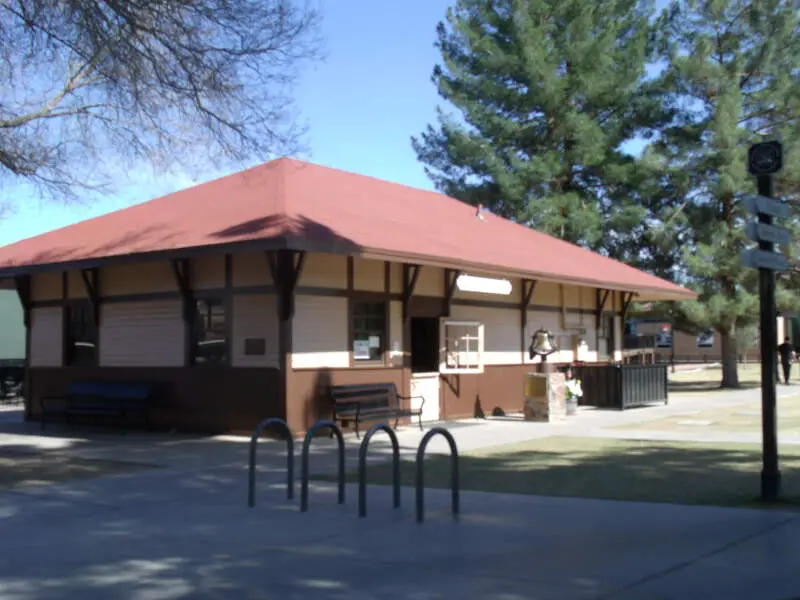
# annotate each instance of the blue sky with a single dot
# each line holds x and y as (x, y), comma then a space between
(362, 105)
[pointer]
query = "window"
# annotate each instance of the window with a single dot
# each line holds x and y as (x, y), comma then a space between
(80, 334)
(369, 330)
(606, 337)
(210, 342)
(462, 347)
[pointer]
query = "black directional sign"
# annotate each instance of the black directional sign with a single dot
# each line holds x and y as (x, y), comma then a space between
(761, 232)
(762, 259)
(765, 158)
(762, 205)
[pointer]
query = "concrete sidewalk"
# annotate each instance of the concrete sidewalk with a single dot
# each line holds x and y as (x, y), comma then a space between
(182, 530)
(169, 541)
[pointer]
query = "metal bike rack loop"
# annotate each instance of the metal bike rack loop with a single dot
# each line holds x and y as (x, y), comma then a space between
(281, 424)
(306, 445)
(454, 489)
(362, 467)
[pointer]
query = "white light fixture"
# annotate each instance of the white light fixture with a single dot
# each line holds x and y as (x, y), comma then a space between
(483, 285)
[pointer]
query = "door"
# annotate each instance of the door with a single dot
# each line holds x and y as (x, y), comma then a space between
(426, 385)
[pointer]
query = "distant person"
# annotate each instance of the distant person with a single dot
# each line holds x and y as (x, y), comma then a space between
(787, 355)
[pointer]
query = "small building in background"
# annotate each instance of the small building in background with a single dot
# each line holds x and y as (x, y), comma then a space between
(12, 329)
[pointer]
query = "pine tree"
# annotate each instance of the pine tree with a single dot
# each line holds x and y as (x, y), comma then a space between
(548, 92)
(732, 69)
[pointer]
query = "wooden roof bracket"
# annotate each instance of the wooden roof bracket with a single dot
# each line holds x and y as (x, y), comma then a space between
(285, 267)
(626, 303)
(410, 278)
(528, 287)
(23, 286)
(601, 298)
(183, 279)
(91, 280)
(450, 279)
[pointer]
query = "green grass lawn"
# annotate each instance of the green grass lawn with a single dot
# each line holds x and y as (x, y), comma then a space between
(684, 473)
(742, 418)
(709, 379)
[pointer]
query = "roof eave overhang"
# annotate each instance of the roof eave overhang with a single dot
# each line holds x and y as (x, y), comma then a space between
(267, 244)
(641, 293)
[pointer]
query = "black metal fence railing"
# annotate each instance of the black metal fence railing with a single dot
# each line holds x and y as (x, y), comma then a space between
(639, 342)
(622, 386)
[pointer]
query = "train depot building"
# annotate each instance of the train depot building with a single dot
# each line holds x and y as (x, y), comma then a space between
(250, 295)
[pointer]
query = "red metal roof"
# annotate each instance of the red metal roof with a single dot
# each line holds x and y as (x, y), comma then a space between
(323, 209)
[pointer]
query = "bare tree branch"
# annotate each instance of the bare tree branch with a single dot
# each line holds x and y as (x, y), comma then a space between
(91, 84)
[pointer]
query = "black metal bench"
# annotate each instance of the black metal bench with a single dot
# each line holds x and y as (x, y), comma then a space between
(370, 402)
(115, 399)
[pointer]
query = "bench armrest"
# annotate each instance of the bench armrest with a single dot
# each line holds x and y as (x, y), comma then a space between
(421, 404)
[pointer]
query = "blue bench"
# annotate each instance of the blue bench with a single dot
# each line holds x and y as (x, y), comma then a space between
(114, 399)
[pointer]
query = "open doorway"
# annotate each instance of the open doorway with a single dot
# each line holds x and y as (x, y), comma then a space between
(424, 345)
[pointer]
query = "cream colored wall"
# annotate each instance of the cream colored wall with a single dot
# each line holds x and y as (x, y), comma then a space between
(76, 287)
(251, 268)
(501, 341)
(137, 278)
(46, 286)
(324, 270)
(208, 272)
(368, 275)
(430, 282)
(320, 333)
(142, 334)
(46, 343)
(255, 316)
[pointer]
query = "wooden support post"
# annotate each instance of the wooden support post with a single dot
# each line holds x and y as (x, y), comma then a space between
(285, 268)
(410, 278)
(91, 280)
(450, 278)
(528, 287)
(181, 269)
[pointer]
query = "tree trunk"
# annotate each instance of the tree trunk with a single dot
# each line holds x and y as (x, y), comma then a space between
(730, 370)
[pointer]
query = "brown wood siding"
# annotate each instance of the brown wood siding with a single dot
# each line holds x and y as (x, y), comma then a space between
(46, 337)
(139, 278)
(46, 286)
(324, 270)
(142, 334)
(498, 387)
(255, 316)
(308, 396)
(210, 399)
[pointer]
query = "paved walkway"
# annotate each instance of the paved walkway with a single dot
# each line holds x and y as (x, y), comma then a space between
(183, 530)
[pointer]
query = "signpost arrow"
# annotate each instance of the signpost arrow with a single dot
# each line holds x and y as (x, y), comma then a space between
(761, 232)
(761, 259)
(761, 205)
